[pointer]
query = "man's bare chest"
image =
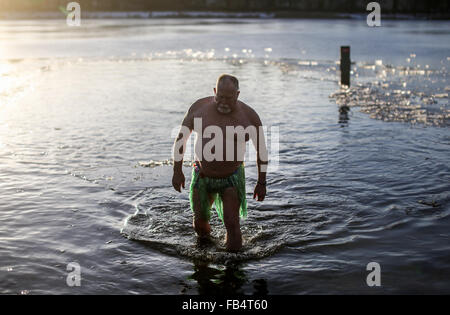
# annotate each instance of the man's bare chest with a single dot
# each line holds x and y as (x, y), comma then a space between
(211, 120)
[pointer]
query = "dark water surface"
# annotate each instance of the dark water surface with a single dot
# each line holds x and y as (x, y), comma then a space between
(87, 120)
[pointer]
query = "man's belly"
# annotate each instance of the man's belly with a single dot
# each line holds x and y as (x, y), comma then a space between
(222, 162)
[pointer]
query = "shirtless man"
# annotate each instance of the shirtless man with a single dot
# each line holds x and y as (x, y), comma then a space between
(218, 174)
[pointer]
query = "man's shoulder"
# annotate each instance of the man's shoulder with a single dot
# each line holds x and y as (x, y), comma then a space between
(250, 112)
(200, 103)
(195, 110)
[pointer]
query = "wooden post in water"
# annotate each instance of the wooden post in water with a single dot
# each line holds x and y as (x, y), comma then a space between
(345, 65)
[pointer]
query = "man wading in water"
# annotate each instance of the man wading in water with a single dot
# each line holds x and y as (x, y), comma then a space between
(218, 174)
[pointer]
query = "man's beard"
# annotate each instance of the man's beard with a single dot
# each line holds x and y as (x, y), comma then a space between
(223, 108)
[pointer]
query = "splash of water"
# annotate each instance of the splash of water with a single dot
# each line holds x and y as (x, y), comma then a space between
(168, 228)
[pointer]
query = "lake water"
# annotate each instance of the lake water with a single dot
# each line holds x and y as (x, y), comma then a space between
(87, 121)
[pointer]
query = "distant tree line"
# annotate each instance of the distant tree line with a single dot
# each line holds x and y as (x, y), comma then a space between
(341, 6)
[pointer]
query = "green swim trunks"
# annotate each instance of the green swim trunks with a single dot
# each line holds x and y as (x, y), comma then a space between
(216, 186)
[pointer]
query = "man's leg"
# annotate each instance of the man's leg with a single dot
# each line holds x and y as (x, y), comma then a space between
(231, 205)
(201, 225)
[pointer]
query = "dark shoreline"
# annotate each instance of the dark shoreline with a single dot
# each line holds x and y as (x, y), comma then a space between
(218, 14)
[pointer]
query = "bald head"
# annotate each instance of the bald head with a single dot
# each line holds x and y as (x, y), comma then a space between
(227, 80)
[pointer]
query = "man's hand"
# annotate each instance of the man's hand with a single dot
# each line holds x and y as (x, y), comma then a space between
(178, 180)
(260, 191)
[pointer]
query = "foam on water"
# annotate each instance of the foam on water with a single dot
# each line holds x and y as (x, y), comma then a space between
(416, 95)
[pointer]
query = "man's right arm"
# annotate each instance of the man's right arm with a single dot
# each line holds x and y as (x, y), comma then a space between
(179, 148)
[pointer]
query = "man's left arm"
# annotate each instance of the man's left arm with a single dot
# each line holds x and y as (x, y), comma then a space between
(262, 157)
